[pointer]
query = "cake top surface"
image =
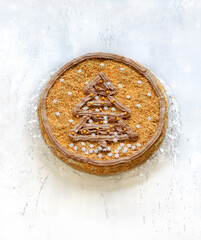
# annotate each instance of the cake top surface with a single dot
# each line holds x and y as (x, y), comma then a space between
(102, 109)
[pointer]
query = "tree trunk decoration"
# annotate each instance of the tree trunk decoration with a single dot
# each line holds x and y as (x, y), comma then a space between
(98, 124)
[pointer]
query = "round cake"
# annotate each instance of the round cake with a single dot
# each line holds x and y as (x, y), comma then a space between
(103, 114)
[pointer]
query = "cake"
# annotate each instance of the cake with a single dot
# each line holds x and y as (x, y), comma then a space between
(103, 114)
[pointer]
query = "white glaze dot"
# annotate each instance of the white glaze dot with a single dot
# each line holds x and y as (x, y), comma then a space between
(58, 114)
(54, 101)
(116, 155)
(86, 152)
(91, 150)
(105, 108)
(79, 71)
(97, 110)
(96, 150)
(108, 83)
(100, 155)
(91, 145)
(115, 140)
(100, 148)
(86, 82)
(70, 121)
(109, 154)
(122, 144)
(128, 96)
(75, 148)
(149, 94)
(149, 118)
(85, 108)
(138, 105)
(102, 65)
(83, 149)
(71, 145)
(115, 133)
(97, 97)
(137, 126)
(113, 109)
(120, 85)
(119, 148)
(133, 147)
(109, 148)
(128, 145)
(105, 117)
(105, 121)
(139, 82)
(93, 134)
(90, 121)
(122, 69)
(138, 144)
(116, 151)
(69, 93)
(61, 80)
(83, 144)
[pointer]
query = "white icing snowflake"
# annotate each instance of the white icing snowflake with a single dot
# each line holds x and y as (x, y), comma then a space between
(102, 65)
(71, 121)
(54, 101)
(75, 148)
(121, 69)
(69, 93)
(149, 118)
(115, 133)
(105, 121)
(61, 80)
(105, 108)
(108, 83)
(86, 152)
(79, 71)
(71, 145)
(138, 144)
(105, 117)
(83, 144)
(125, 150)
(128, 96)
(96, 150)
(90, 121)
(115, 140)
(109, 154)
(93, 134)
(104, 149)
(97, 97)
(133, 147)
(139, 82)
(122, 144)
(120, 85)
(100, 148)
(58, 114)
(138, 105)
(97, 110)
(116, 151)
(91, 145)
(149, 94)
(91, 150)
(109, 148)
(85, 108)
(119, 148)
(83, 149)
(86, 82)
(116, 155)
(137, 126)
(100, 155)
(128, 145)
(113, 109)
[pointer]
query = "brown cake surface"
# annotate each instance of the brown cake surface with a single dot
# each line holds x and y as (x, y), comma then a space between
(103, 113)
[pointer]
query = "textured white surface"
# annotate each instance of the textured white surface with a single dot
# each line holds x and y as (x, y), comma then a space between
(37, 201)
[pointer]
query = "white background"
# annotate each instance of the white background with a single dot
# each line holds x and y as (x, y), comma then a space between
(36, 200)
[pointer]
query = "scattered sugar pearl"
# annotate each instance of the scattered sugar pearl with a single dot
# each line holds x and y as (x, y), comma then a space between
(70, 121)
(71, 145)
(93, 134)
(138, 105)
(97, 97)
(105, 108)
(83, 144)
(149, 118)
(109, 154)
(108, 83)
(97, 110)
(128, 145)
(91, 145)
(61, 80)
(83, 149)
(90, 121)
(75, 148)
(91, 150)
(116, 155)
(120, 85)
(58, 114)
(102, 65)
(113, 109)
(121, 69)
(149, 94)
(79, 71)
(115, 133)
(122, 144)
(116, 151)
(133, 147)
(96, 150)
(138, 144)
(69, 93)
(128, 96)
(86, 82)
(115, 140)
(100, 155)
(54, 101)
(139, 82)
(137, 126)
